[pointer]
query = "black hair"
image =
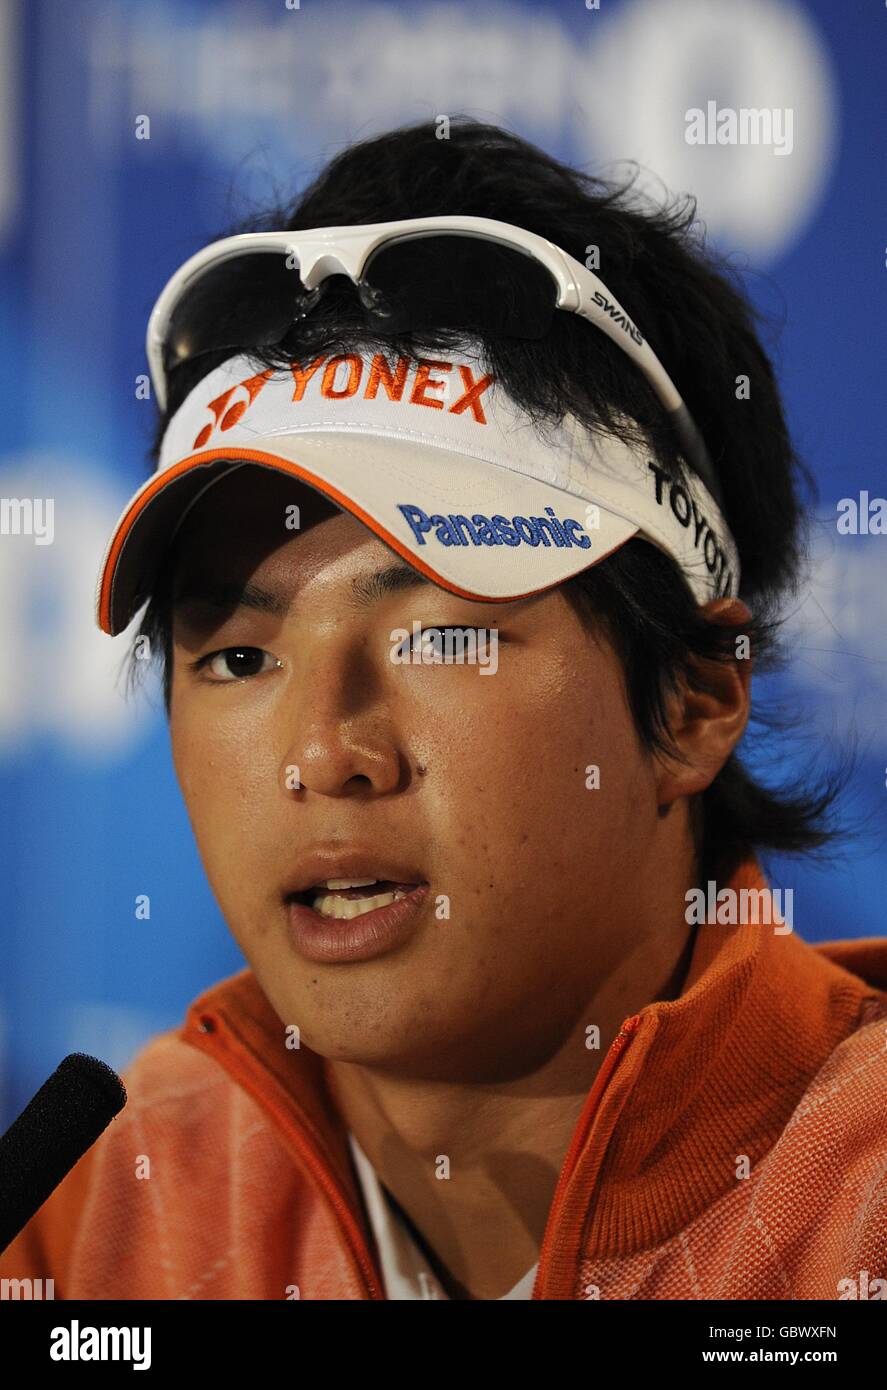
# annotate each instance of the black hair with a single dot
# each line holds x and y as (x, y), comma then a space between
(691, 307)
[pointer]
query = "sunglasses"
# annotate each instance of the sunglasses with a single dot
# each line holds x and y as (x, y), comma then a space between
(472, 273)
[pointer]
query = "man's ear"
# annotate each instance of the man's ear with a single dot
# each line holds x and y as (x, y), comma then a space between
(708, 713)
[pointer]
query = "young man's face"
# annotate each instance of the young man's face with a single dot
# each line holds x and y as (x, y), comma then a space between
(539, 884)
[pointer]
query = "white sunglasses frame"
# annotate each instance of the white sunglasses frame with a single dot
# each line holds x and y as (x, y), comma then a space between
(323, 251)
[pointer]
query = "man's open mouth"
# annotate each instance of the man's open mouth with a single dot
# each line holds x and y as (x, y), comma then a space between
(343, 898)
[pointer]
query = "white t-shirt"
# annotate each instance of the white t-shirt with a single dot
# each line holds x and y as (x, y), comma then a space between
(404, 1268)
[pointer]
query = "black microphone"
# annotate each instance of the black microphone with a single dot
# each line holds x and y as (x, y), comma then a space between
(53, 1131)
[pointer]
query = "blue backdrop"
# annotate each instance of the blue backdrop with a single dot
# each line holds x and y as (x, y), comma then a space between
(248, 100)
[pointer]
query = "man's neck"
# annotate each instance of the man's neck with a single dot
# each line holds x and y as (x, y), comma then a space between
(474, 1162)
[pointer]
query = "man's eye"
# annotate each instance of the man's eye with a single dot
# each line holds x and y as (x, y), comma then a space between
(236, 663)
(439, 643)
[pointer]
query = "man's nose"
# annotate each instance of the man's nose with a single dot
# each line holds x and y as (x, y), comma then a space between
(341, 739)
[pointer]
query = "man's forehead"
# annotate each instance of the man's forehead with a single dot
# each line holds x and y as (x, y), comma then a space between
(252, 536)
(208, 587)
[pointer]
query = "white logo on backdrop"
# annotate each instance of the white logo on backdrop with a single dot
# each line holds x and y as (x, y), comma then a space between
(60, 674)
(598, 85)
(836, 637)
(655, 63)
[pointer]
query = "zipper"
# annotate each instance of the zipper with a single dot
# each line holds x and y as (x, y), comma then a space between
(580, 1138)
(307, 1153)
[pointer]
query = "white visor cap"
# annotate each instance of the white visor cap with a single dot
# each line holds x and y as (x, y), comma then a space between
(437, 460)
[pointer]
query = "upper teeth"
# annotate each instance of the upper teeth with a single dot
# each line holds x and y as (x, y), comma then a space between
(334, 905)
(334, 883)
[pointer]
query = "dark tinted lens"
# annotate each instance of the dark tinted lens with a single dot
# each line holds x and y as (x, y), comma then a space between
(252, 300)
(247, 301)
(461, 282)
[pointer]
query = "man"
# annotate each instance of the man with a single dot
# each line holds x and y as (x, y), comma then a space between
(457, 554)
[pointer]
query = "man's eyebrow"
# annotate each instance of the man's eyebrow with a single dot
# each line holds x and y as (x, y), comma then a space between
(226, 595)
(367, 588)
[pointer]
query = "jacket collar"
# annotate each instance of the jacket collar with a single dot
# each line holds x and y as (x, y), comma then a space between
(712, 1078)
(707, 1079)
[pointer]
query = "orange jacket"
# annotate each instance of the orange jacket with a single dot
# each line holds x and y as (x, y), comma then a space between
(733, 1146)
